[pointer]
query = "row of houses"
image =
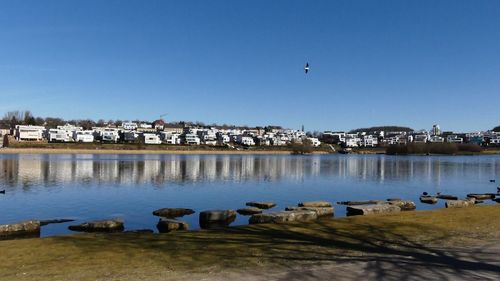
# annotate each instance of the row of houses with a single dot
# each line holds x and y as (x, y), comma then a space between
(488, 138)
(158, 133)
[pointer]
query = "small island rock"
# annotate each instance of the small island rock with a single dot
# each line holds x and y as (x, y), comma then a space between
(261, 205)
(173, 212)
(315, 204)
(114, 225)
(249, 211)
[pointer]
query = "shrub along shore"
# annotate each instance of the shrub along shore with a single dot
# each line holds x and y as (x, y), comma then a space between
(172, 256)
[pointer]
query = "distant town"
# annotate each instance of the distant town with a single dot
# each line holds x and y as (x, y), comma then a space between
(23, 127)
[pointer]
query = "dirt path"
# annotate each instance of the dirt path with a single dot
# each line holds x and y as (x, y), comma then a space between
(481, 262)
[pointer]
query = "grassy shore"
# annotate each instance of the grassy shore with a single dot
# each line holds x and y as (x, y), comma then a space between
(420, 235)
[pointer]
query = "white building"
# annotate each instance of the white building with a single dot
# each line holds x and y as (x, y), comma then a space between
(314, 141)
(151, 139)
(83, 136)
(245, 140)
(171, 137)
(57, 135)
(192, 139)
(370, 141)
(110, 135)
(454, 139)
(352, 141)
(130, 126)
(29, 133)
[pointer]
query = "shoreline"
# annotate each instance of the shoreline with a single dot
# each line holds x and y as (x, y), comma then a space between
(415, 238)
(207, 151)
(142, 151)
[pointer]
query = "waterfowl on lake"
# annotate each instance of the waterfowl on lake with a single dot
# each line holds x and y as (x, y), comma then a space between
(2, 191)
(492, 180)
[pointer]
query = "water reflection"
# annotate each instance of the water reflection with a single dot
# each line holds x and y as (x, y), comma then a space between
(52, 170)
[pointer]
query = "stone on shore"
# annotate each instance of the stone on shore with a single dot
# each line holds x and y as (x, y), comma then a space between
(168, 225)
(261, 205)
(367, 202)
(320, 211)
(22, 229)
(372, 209)
(315, 204)
(115, 225)
(405, 205)
(249, 211)
(284, 217)
(460, 203)
(481, 196)
(428, 199)
(173, 212)
(217, 218)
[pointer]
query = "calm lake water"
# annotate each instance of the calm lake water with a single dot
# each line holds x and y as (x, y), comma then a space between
(88, 187)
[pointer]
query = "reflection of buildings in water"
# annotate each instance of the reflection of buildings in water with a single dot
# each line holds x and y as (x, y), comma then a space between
(52, 169)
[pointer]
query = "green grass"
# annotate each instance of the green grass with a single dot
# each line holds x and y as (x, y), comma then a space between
(128, 256)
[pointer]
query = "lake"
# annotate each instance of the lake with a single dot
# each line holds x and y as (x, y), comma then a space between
(87, 187)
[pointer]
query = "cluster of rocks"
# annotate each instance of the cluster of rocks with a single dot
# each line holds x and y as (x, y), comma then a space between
(303, 212)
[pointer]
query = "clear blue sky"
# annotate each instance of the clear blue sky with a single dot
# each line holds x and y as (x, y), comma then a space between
(412, 63)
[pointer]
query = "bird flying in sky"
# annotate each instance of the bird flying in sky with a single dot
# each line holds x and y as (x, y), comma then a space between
(306, 68)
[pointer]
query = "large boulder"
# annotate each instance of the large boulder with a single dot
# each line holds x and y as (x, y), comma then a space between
(284, 217)
(261, 205)
(315, 204)
(217, 218)
(460, 203)
(168, 225)
(372, 209)
(22, 229)
(481, 196)
(366, 202)
(428, 199)
(249, 211)
(320, 211)
(172, 212)
(114, 225)
(405, 205)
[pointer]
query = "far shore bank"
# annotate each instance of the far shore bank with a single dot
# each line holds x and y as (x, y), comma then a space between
(136, 151)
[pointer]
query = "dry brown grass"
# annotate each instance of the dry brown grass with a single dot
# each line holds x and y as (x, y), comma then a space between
(158, 256)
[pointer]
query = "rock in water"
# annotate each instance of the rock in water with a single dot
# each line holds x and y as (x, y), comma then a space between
(372, 209)
(217, 218)
(460, 203)
(115, 225)
(428, 199)
(315, 204)
(21, 229)
(367, 202)
(447, 197)
(405, 205)
(320, 211)
(284, 217)
(167, 225)
(173, 212)
(481, 196)
(261, 205)
(249, 211)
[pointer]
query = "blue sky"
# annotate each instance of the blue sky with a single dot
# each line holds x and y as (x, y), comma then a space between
(412, 63)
